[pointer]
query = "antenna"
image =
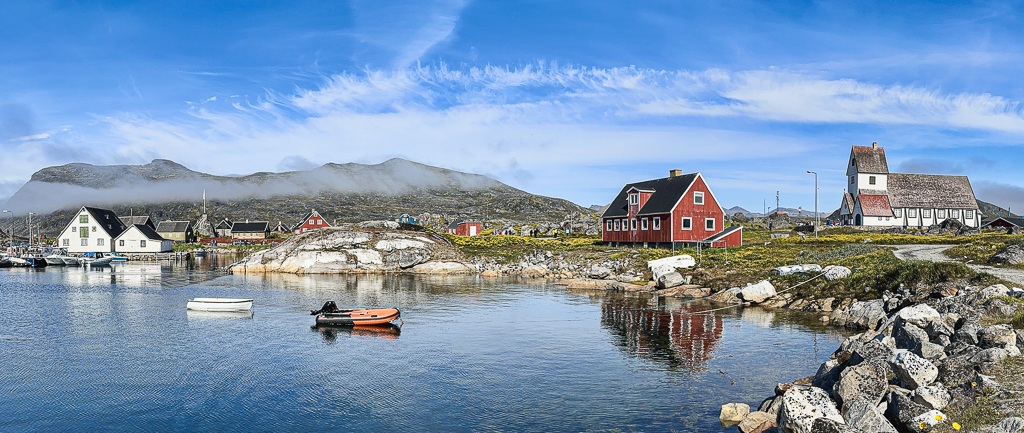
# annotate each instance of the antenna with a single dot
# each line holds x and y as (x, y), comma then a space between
(204, 201)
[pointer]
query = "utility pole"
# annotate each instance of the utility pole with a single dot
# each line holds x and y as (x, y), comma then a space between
(30, 229)
(776, 202)
(815, 203)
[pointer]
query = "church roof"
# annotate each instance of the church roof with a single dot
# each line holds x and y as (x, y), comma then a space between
(870, 159)
(875, 205)
(931, 191)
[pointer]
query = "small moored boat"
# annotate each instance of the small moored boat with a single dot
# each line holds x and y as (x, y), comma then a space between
(54, 260)
(330, 315)
(71, 261)
(219, 304)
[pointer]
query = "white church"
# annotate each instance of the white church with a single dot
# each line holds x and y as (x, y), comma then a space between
(878, 198)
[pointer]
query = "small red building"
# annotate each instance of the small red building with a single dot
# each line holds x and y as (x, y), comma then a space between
(464, 228)
(679, 210)
(312, 221)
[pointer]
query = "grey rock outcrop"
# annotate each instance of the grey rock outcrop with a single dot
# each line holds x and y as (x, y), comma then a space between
(862, 382)
(914, 371)
(865, 417)
(802, 406)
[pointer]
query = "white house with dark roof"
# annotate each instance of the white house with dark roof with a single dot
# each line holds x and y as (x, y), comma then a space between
(91, 230)
(141, 238)
(879, 198)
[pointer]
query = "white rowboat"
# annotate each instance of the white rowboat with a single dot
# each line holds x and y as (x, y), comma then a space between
(219, 304)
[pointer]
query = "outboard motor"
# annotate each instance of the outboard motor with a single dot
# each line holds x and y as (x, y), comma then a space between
(329, 307)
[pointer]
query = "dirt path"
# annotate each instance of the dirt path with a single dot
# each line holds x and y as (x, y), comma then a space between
(933, 253)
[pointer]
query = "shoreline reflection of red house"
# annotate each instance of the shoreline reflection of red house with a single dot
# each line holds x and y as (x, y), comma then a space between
(679, 336)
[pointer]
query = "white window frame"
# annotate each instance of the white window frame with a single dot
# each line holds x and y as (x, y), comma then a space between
(85, 242)
(879, 218)
(912, 212)
(632, 224)
(686, 223)
(66, 242)
(142, 244)
(618, 228)
(120, 242)
(634, 199)
(887, 218)
(99, 242)
(940, 213)
(709, 220)
(83, 219)
(897, 212)
(698, 195)
(643, 223)
(608, 225)
(871, 180)
(926, 213)
(657, 223)
(969, 214)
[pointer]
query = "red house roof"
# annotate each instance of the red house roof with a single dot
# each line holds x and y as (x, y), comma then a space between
(875, 205)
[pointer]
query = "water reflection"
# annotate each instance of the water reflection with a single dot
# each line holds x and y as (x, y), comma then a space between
(218, 315)
(674, 336)
(330, 334)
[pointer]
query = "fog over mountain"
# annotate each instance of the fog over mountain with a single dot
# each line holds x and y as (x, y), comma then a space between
(166, 190)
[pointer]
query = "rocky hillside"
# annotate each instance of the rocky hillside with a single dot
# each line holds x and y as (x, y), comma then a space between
(342, 193)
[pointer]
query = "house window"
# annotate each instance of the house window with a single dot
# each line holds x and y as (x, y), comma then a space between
(66, 242)
(83, 219)
(879, 218)
(83, 232)
(608, 225)
(871, 180)
(632, 224)
(617, 227)
(897, 212)
(686, 223)
(968, 214)
(142, 244)
(698, 198)
(912, 213)
(99, 242)
(941, 213)
(643, 224)
(887, 218)
(851, 180)
(709, 223)
(85, 242)
(927, 213)
(120, 242)
(94, 229)
(657, 223)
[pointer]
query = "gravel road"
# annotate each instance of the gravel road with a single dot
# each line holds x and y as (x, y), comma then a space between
(933, 253)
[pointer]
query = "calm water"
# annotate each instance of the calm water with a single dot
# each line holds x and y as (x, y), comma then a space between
(115, 350)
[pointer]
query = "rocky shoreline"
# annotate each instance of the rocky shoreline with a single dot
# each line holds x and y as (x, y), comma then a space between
(913, 361)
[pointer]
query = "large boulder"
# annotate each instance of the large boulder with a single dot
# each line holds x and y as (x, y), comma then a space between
(827, 374)
(914, 371)
(732, 414)
(757, 293)
(728, 296)
(900, 410)
(958, 369)
(801, 406)
(755, 419)
(861, 382)
(920, 315)
(796, 269)
(599, 272)
(873, 350)
(1011, 255)
(967, 334)
(670, 264)
(909, 336)
(825, 425)
(1001, 336)
(864, 416)
(671, 279)
(835, 272)
(534, 271)
(865, 314)
(934, 397)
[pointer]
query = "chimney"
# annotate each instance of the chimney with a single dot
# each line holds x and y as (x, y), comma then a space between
(675, 172)
(874, 145)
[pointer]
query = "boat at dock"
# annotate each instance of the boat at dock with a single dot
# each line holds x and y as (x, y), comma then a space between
(95, 259)
(71, 261)
(54, 260)
(330, 315)
(219, 304)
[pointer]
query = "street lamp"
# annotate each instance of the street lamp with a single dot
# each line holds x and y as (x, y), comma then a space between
(30, 229)
(10, 229)
(815, 203)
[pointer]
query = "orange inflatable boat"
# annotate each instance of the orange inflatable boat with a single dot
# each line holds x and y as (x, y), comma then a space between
(330, 315)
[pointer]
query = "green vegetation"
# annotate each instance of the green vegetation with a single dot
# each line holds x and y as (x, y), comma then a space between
(979, 249)
(510, 247)
(183, 248)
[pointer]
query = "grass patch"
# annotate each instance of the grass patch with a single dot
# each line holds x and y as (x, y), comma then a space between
(981, 248)
(512, 247)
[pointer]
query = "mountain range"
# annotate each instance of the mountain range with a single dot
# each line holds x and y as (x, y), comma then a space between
(166, 190)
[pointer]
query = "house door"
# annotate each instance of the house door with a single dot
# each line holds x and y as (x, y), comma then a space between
(472, 230)
(856, 220)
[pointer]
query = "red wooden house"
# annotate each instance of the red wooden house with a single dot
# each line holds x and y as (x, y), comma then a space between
(463, 228)
(311, 221)
(676, 210)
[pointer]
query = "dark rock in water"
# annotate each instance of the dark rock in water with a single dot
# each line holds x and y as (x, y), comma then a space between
(827, 375)
(1010, 255)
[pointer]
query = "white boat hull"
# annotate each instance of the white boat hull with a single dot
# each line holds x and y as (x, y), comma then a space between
(219, 304)
(54, 261)
(71, 261)
(97, 262)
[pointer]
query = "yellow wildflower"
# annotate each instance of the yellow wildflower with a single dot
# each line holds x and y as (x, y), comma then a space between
(922, 425)
(956, 426)
(938, 417)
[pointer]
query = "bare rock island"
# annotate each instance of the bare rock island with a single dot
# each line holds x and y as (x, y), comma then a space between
(368, 247)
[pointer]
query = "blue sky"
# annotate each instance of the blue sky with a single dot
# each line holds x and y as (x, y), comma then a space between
(561, 98)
